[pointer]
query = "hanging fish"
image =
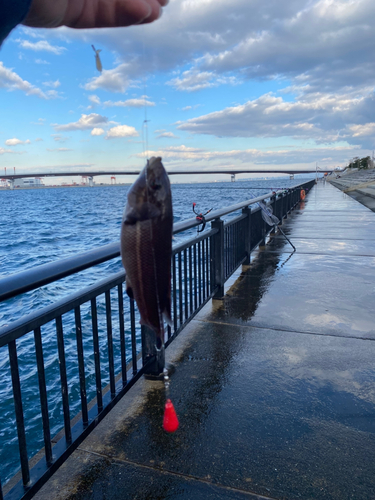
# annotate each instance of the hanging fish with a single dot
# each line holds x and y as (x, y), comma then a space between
(146, 246)
(99, 66)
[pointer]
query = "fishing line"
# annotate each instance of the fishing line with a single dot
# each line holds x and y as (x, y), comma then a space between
(145, 152)
(161, 322)
(170, 420)
(145, 121)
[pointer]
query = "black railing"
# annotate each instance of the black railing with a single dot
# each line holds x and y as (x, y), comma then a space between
(95, 347)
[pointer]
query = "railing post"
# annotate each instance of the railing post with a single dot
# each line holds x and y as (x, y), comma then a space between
(247, 211)
(273, 206)
(287, 209)
(281, 212)
(262, 244)
(217, 279)
(152, 352)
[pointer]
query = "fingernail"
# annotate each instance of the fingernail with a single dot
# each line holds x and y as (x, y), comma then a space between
(141, 21)
(149, 11)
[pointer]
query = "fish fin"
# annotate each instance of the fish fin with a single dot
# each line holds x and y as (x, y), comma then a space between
(129, 289)
(146, 211)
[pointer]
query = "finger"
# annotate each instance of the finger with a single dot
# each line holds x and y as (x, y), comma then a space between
(115, 13)
(126, 13)
(156, 11)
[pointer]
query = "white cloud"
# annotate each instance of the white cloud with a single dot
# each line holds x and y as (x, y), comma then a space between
(329, 41)
(130, 103)
(16, 142)
(52, 84)
(318, 53)
(41, 45)
(326, 40)
(178, 152)
(86, 122)
(53, 94)
(121, 131)
(97, 131)
(59, 150)
(59, 138)
(193, 80)
(11, 81)
(189, 108)
(168, 135)
(94, 99)
(39, 122)
(113, 80)
(3, 151)
(41, 61)
(318, 116)
(250, 157)
(368, 129)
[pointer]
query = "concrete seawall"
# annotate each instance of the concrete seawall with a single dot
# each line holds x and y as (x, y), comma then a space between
(359, 184)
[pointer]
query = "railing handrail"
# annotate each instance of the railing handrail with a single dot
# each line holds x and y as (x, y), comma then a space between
(200, 266)
(37, 318)
(30, 279)
(40, 317)
(38, 276)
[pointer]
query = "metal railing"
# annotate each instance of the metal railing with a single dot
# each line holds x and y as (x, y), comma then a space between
(95, 347)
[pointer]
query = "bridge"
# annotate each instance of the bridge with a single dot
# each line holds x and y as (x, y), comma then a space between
(90, 174)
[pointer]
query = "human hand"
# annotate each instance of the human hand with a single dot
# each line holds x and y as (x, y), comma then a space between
(92, 13)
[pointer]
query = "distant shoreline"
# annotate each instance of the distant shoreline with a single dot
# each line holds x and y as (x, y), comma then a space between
(247, 179)
(62, 186)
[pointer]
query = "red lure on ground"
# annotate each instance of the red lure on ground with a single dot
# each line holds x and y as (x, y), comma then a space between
(170, 421)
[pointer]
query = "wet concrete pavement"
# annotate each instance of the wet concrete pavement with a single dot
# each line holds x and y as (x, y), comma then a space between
(274, 385)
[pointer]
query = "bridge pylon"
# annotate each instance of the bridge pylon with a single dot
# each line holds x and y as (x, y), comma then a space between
(233, 177)
(91, 180)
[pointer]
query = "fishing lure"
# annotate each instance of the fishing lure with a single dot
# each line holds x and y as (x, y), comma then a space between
(99, 66)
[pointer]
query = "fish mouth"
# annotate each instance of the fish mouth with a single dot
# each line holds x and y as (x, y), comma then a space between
(154, 169)
(157, 181)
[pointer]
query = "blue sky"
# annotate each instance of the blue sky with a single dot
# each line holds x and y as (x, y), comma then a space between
(265, 83)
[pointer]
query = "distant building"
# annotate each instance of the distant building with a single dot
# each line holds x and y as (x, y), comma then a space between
(28, 182)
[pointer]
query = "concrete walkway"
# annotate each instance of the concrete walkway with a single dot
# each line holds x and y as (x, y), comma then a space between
(274, 385)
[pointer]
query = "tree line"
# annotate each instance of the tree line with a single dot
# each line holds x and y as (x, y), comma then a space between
(361, 163)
